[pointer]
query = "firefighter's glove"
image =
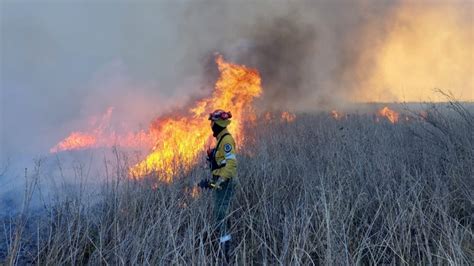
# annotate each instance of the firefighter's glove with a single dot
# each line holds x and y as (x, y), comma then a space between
(205, 184)
(217, 182)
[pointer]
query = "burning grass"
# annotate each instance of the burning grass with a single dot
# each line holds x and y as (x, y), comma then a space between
(317, 190)
(169, 139)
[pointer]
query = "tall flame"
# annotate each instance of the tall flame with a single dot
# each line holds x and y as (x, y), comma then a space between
(176, 140)
(179, 139)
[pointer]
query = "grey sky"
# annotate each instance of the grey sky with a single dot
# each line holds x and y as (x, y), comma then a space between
(64, 61)
(56, 56)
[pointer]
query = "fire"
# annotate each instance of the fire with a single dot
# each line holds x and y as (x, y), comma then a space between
(82, 140)
(336, 115)
(176, 140)
(76, 140)
(180, 139)
(287, 117)
(272, 117)
(100, 134)
(268, 116)
(388, 113)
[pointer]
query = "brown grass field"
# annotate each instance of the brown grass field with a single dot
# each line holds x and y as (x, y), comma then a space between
(314, 191)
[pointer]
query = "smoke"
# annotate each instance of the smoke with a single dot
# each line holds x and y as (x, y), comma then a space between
(62, 63)
(306, 51)
(426, 45)
(318, 54)
(282, 48)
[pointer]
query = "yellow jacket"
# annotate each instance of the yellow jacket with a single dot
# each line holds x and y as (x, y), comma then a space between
(225, 156)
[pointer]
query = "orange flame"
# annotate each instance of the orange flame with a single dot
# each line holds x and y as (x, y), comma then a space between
(176, 141)
(336, 115)
(388, 113)
(287, 117)
(102, 136)
(180, 139)
(82, 140)
(76, 140)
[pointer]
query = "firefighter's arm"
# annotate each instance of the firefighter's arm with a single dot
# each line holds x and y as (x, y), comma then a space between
(229, 163)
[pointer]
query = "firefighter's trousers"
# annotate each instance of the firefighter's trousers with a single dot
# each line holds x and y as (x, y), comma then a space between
(222, 202)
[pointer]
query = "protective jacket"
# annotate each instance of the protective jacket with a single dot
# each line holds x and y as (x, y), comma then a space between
(224, 160)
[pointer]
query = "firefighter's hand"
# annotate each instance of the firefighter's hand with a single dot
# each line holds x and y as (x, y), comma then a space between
(205, 184)
(217, 182)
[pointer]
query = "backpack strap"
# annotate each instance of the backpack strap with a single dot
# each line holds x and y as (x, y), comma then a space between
(213, 162)
(220, 140)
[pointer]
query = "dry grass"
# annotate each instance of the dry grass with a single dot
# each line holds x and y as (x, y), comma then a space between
(316, 191)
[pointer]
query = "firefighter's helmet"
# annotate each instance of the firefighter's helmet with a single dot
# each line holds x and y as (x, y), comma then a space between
(220, 117)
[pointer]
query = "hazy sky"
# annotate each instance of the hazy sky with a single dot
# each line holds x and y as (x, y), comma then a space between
(59, 59)
(65, 61)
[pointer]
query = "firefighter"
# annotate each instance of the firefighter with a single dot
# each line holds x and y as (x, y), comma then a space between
(223, 165)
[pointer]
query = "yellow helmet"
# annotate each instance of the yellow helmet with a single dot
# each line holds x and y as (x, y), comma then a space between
(220, 117)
